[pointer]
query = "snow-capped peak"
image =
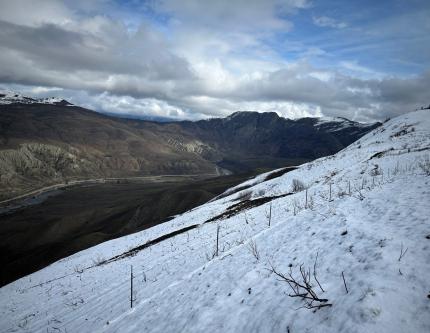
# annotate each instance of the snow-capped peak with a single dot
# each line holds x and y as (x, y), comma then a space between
(11, 97)
(339, 123)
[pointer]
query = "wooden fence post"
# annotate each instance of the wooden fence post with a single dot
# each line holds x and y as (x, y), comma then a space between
(131, 286)
(217, 239)
(270, 213)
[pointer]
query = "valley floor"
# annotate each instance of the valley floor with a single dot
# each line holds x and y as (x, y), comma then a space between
(35, 232)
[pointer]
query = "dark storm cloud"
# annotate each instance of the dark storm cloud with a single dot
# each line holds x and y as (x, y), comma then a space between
(50, 47)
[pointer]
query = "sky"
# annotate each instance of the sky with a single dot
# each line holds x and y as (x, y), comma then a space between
(364, 60)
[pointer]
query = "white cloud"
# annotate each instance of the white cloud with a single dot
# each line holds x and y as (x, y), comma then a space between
(328, 22)
(227, 15)
(211, 59)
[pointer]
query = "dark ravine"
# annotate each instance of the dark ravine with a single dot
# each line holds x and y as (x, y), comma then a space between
(82, 216)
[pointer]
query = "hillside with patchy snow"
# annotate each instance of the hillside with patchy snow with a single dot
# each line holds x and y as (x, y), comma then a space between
(341, 244)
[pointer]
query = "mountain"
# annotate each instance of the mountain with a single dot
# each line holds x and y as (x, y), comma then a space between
(51, 141)
(10, 97)
(339, 244)
(43, 144)
(247, 139)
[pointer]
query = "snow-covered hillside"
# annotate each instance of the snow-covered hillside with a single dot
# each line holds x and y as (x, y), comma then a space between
(337, 123)
(360, 233)
(10, 97)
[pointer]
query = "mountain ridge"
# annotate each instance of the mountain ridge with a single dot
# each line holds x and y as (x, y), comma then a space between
(46, 143)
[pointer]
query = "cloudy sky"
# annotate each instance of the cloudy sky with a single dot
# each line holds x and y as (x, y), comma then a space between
(190, 59)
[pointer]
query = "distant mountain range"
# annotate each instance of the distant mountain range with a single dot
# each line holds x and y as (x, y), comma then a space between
(49, 141)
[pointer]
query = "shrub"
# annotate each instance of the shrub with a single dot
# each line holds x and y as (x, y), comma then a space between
(261, 192)
(99, 260)
(244, 195)
(302, 287)
(376, 171)
(297, 186)
(252, 246)
(425, 166)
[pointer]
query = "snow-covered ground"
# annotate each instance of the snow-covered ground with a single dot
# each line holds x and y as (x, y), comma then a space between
(363, 231)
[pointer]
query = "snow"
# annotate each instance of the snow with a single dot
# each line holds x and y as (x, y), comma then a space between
(338, 123)
(379, 207)
(11, 97)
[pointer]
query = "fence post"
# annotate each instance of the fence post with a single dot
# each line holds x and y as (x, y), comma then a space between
(217, 239)
(131, 286)
(270, 213)
(306, 202)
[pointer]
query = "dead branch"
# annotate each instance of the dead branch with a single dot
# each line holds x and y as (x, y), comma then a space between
(360, 196)
(252, 245)
(344, 282)
(302, 288)
(402, 253)
(315, 273)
